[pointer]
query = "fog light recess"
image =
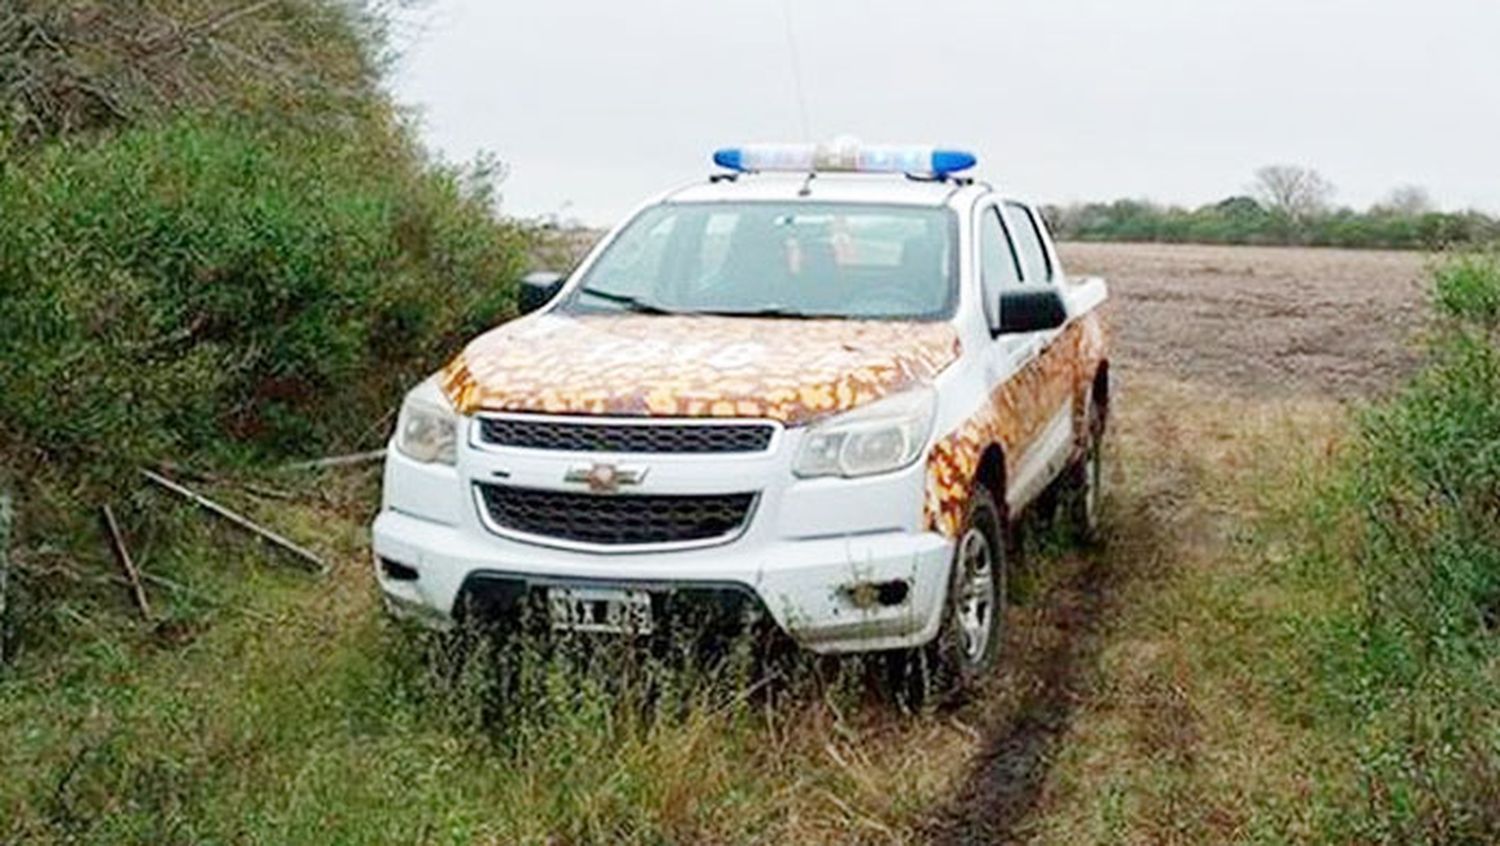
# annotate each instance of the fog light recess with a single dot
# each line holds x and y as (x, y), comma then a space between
(396, 571)
(866, 595)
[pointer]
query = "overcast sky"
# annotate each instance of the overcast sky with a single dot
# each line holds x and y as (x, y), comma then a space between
(595, 104)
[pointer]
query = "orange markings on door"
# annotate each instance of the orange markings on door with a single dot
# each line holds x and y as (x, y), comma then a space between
(1017, 412)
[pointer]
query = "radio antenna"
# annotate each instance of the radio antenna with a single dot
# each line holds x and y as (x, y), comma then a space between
(791, 44)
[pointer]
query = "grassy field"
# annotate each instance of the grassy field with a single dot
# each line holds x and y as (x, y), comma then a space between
(1218, 670)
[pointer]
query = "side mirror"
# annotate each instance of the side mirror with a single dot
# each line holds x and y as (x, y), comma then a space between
(537, 289)
(1031, 310)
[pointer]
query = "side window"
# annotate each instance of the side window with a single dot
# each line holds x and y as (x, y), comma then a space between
(1028, 243)
(998, 266)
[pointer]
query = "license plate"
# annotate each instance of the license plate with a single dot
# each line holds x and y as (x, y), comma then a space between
(612, 610)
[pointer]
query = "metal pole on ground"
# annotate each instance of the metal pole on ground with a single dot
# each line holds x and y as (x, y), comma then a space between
(311, 558)
(127, 564)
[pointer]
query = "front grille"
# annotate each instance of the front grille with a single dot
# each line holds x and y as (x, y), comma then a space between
(605, 520)
(570, 436)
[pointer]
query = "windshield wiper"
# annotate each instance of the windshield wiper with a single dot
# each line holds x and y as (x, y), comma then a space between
(640, 306)
(635, 304)
(770, 311)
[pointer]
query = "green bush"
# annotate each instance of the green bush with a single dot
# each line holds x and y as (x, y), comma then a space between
(1414, 669)
(184, 288)
(1429, 478)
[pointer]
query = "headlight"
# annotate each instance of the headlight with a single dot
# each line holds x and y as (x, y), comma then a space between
(881, 437)
(427, 430)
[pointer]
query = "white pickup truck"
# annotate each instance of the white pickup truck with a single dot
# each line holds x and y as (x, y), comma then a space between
(813, 390)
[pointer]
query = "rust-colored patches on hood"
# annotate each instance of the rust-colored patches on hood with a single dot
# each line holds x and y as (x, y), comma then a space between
(794, 371)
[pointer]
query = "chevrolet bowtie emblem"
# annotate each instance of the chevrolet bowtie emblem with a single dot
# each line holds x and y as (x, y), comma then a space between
(605, 478)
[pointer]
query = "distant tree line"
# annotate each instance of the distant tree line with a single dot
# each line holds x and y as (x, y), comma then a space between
(1287, 205)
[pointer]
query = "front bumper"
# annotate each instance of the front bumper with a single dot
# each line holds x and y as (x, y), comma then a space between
(819, 591)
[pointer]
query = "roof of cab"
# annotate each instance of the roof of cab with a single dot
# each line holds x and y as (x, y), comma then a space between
(826, 188)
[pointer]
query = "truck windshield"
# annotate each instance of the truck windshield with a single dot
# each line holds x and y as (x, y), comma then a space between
(768, 259)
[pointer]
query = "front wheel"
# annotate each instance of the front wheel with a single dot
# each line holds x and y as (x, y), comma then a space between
(968, 642)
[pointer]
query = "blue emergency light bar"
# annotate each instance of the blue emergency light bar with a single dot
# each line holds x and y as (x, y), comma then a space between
(845, 157)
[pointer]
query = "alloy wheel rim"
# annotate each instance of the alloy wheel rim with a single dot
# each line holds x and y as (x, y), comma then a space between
(976, 593)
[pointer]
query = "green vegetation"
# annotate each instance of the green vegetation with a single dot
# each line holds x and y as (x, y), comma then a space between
(1290, 207)
(219, 239)
(1246, 220)
(179, 288)
(1408, 669)
(348, 730)
(221, 247)
(268, 707)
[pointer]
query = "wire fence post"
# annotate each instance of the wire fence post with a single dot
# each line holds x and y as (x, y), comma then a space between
(7, 519)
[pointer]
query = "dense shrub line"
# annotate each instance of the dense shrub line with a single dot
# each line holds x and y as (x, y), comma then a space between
(218, 236)
(1244, 220)
(1412, 669)
(174, 288)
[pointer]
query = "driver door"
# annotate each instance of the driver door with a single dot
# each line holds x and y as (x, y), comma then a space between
(1032, 400)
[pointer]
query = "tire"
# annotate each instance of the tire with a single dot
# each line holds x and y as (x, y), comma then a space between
(968, 643)
(1083, 487)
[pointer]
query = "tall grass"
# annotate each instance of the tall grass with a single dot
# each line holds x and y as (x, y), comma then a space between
(372, 737)
(331, 724)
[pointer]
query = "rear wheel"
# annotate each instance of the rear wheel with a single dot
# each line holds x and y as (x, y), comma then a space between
(1084, 488)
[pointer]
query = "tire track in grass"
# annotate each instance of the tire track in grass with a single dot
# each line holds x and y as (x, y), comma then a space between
(1008, 775)
(1055, 642)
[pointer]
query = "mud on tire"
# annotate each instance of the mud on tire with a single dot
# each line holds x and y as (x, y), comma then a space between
(1082, 488)
(968, 642)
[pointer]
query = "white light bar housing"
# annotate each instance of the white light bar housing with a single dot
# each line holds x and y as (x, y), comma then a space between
(844, 155)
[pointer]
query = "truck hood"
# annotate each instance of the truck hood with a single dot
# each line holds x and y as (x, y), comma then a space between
(794, 371)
